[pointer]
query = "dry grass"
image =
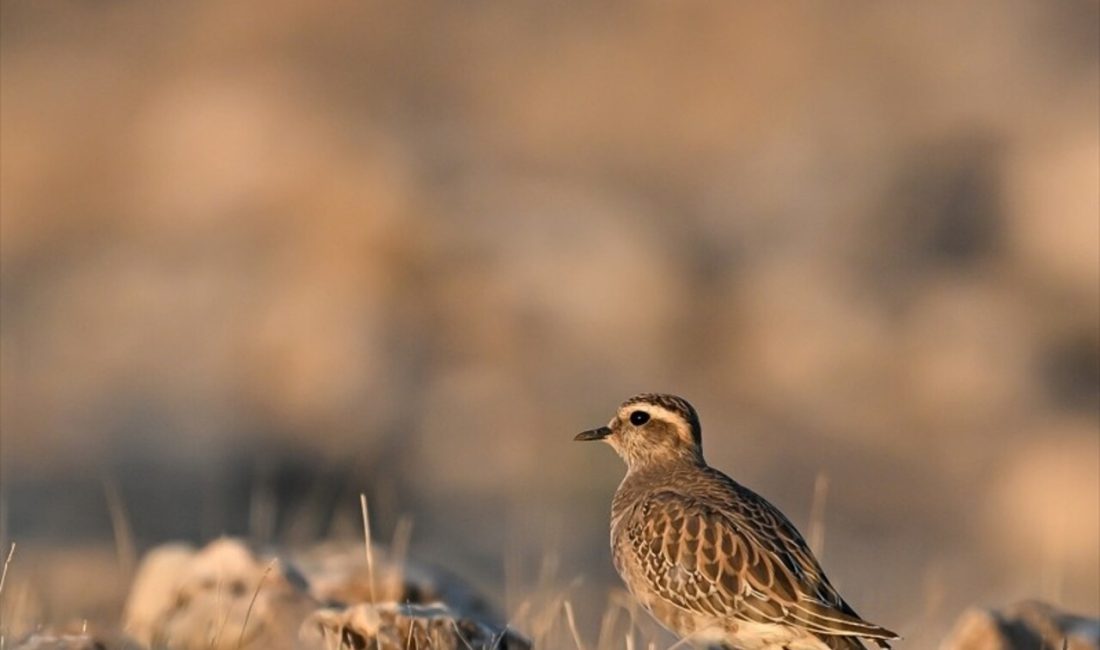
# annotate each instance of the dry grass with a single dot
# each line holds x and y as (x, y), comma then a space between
(4, 573)
(367, 547)
(544, 609)
(3, 580)
(816, 536)
(121, 528)
(252, 602)
(310, 234)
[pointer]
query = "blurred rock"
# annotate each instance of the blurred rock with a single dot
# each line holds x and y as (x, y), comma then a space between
(944, 209)
(392, 626)
(1054, 173)
(966, 347)
(155, 588)
(1029, 625)
(51, 641)
(222, 596)
(59, 642)
(428, 238)
(337, 574)
(1046, 497)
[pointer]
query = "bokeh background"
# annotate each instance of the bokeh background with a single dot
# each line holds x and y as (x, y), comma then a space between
(255, 260)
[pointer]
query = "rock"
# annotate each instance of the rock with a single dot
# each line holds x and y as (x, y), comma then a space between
(183, 599)
(46, 641)
(81, 641)
(337, 575)
(1030, 625)
(219, 597)
(155, 588)
(393, 626)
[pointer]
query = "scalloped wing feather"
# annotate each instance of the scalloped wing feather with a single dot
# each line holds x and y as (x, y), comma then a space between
(741, 561)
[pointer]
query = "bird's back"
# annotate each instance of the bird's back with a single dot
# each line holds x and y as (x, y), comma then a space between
(707, 556)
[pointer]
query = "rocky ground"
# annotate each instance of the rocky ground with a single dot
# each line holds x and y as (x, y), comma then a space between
(224, 596)
(255, 262)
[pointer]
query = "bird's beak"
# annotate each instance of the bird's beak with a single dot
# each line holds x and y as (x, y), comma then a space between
(594, 434)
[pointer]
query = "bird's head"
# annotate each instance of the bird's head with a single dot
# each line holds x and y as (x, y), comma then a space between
(652, 428)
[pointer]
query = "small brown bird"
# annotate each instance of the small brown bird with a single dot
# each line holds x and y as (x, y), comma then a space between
(711, 560)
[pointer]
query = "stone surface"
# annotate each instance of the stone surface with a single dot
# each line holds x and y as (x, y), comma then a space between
(59, 642)
(82, 641)
(337, 574)
(392, 626)
(1030, 625)
(225, 597)
(221, 596)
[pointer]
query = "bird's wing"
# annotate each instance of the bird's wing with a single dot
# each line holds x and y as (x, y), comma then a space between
(744, 561)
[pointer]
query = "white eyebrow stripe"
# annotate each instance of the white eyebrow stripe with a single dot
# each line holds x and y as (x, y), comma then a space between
(660, 412)
(683, 427)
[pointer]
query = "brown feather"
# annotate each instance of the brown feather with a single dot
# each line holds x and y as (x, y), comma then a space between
(695, 545)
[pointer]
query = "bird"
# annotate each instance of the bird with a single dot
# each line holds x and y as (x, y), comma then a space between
(711, 560)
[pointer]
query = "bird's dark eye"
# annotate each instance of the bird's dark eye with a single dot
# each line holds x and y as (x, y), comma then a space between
(638, 418)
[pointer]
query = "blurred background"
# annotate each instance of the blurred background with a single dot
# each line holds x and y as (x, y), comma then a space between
(255, 262)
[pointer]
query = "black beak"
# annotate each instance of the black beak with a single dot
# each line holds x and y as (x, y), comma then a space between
(594, 434)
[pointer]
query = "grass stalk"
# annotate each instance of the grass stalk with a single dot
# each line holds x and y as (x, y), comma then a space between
(366, 540)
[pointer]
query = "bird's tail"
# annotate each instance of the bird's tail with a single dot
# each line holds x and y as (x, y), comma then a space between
(848, 642)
